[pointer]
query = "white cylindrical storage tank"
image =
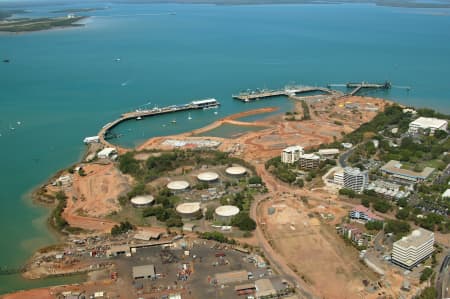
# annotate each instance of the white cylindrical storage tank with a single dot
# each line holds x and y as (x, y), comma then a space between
(189, 209)
(208, 177)
(178, 186)
(224, 214)
(236, 171)
(142, 200)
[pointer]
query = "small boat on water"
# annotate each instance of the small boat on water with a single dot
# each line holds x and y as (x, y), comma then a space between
(117, 59)
(138, 118)
(215, 112)
(189, 117)
(173, 121)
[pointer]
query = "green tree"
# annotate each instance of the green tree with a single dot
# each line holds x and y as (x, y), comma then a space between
(402, 214)
(255, 180)
(347, 192)
(122, 228)
(209, 214)
(428, 293)
(244, 222)
(374, 225)
(381, 206)
(426, 274)
(365, 202)
(397, 227)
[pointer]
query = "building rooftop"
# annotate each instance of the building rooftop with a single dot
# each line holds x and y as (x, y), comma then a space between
(236, 170)
(395, 167)
(227, 211)
(264, 287)
(142, 200)
(446, 194)
(415, 239)
(239, 275)
(353, 170)
(207, 176)
(144, 271)
(328, 151)
(294, 148)
(310, 157)
(363, 209)
(107, 151)
(178, 185)
(205, 101)
(188, 207)
(429, 122)
(147, 235)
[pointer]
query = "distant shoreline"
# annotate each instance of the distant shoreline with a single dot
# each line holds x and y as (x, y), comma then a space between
(40, 24)
(420, 4)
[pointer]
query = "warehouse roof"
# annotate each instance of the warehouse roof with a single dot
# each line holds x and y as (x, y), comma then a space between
(144, 271)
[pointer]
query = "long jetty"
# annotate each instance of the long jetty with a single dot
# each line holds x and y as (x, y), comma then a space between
(138, 114)
(290, 92)
(357, 87)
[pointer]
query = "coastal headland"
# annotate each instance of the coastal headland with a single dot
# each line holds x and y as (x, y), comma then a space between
(38, 24)
(92, 200)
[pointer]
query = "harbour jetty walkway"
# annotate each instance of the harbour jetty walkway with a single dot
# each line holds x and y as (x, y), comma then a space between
(357, 87)
(293, 92)
(139, 114)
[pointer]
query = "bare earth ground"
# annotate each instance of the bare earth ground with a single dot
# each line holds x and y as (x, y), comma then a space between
(314, 250)
(94, 196)
(267, 143)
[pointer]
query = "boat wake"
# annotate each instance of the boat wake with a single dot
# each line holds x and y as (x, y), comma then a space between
(125, 83)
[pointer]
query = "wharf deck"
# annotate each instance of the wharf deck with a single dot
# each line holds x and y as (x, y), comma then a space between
(146, 113)
(357, 87)
(290, 92)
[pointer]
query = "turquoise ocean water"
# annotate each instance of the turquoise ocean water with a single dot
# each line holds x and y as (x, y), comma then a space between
(63, 85)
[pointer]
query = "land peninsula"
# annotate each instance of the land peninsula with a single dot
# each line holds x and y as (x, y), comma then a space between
(39, 24)
(207, 203)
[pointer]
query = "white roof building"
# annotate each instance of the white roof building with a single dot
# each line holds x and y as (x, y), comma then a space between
(328, 152)
(106, 152)
(423, 123)
(92, 139)
(355, 179)
(142, 200)
(236, 170)
(446, 194)
(208, 176)
(413, 249)
(188, 209)
(291, 154)
(178, 185)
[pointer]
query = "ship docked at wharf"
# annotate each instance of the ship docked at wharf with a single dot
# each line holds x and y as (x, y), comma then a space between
(138, 114)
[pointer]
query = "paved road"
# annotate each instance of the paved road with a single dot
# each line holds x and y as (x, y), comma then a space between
(443, 281)
(344, 156)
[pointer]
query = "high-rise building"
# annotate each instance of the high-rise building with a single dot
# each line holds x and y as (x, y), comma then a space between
(309, 161)
(355, 179)
(413, 249)
(291, 154)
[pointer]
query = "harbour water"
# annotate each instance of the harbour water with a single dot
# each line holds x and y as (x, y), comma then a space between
(63, 85)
